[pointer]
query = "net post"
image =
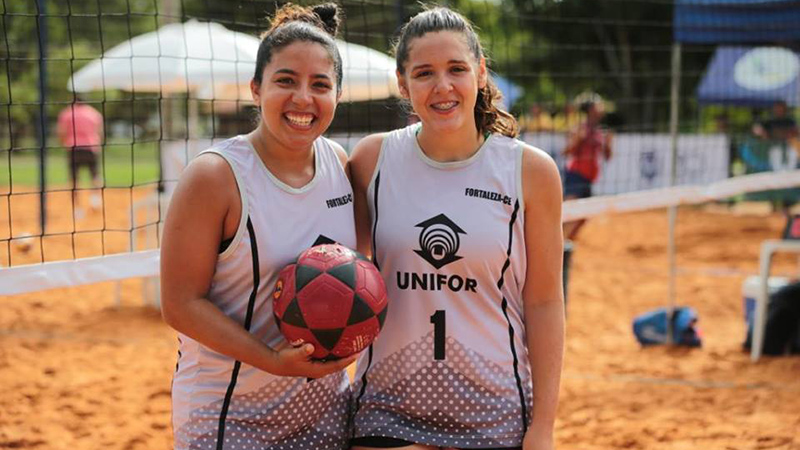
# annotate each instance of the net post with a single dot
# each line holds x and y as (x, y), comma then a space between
(41, 20)
(673, 170)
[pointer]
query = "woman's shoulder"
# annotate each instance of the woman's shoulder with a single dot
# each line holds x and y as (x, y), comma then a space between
(365, 156)
(233, 148)
(535, 159)
(540, 174)
(374, 142)
(367, 151)
(370, 144)
(516, 146)
(214, 166)
(210, 167)
(209, 177)
(503, 141)
(336, 148)
(234, 143)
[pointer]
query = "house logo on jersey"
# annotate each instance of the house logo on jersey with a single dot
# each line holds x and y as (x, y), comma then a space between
(322, 239)
(439, 241)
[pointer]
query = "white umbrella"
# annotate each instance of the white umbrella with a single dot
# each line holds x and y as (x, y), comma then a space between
(216, 63)
(368, 74)
(192, 56)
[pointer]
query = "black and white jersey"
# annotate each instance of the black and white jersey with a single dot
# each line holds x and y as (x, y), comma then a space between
(450, 367)
(220, 403)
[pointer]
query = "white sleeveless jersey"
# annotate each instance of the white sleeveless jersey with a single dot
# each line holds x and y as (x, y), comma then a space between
(450, 367)
(221, 403)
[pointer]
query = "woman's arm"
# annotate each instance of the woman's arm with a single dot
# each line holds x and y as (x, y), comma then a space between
(204, 210)
(543, 293)
(362, 165)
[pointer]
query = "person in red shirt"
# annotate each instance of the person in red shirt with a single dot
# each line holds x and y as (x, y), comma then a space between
(80, 129)
(586, 145)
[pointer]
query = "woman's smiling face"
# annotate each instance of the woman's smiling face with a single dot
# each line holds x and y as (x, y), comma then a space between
(297, 96)
(441, 79)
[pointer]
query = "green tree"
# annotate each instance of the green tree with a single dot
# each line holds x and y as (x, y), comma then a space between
(77, 32)
(619, 48)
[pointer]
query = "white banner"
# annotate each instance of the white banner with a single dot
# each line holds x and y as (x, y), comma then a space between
(639, 162)
(642, 161)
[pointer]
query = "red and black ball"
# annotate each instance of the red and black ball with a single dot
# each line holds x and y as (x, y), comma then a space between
(332, 297)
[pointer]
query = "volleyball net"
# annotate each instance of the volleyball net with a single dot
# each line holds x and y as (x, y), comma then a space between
(169, 78)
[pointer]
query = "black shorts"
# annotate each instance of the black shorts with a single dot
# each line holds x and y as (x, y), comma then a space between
(82, 157)
(576, 185)
(390, 442)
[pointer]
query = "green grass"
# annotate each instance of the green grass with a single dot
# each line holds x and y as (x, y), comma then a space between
(121, 165)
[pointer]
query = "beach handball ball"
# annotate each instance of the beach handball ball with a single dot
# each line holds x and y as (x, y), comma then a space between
(332, 297)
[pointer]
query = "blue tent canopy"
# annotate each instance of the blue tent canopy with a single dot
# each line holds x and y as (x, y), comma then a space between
(736, 21)
(751, 76)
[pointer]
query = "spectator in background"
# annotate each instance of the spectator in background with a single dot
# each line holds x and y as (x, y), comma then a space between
(722, 125)
(779, 127)
(80, 130)
(585, 146)
(778, 134)
(566, 120)
(537, 119)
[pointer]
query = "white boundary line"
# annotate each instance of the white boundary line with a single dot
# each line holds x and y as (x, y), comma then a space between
(50, 275)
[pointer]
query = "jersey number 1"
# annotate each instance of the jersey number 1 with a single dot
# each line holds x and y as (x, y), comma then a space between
(438, 321)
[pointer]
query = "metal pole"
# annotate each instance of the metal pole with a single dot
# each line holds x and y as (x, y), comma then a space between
(168, 12)
(673, 175)
(42, 25)
(400, 13)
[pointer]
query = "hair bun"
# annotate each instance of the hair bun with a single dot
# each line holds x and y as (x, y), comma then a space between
(328, 14)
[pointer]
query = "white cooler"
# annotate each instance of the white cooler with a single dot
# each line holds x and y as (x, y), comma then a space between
(750, 288)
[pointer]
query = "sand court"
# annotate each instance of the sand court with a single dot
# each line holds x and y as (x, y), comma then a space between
(80, 373)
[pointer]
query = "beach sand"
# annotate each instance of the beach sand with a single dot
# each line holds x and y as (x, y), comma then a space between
(79, 372)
